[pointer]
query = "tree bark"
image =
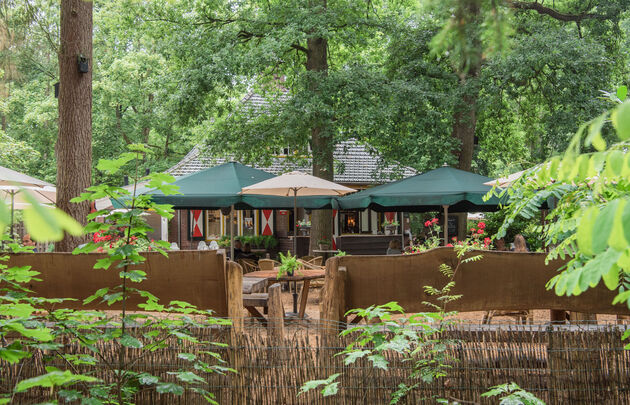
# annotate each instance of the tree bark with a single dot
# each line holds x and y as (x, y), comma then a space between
(74, 144)
(465, 114)
(322, 142)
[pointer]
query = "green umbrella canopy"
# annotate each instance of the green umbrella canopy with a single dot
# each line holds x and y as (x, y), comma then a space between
(219, 187)
(462, 191)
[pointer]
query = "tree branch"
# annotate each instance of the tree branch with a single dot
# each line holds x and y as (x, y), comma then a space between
(299, 48)
(555, 14)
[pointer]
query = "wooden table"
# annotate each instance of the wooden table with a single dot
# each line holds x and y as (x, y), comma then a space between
(326, 254)
(305, 275)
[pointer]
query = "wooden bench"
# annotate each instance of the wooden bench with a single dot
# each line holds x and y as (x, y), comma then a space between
(253, 285)
(271, 301)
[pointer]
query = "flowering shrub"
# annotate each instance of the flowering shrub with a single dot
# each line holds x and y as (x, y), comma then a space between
(476, 240)
(116, 239)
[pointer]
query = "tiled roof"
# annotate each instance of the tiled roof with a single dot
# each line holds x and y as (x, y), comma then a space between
(355, 163)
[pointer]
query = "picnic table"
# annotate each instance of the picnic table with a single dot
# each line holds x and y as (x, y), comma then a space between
(306, 275)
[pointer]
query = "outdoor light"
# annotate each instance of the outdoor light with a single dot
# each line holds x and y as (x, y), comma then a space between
(226, 211)
(84, 66)
(56, 86)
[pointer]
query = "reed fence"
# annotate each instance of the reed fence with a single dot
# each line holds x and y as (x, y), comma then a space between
(559, 364)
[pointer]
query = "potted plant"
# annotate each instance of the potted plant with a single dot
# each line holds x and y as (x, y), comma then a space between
(390, 226)
(304, 226)
(288, 265)
(324, 243)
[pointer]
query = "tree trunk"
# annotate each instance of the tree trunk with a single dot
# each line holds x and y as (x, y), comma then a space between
(74, 145)
(465, 114)
(464, 125)
(468, 17)
(321, 138)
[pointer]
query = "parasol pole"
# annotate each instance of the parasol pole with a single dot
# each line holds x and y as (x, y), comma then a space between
(402, 230)
(231, 222)
(295, 295)
(445, 224)
(12, 209)
(295, 222)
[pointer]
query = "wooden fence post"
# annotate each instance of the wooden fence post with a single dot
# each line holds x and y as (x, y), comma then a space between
(275, 320)
(234, 287)
(333, 298)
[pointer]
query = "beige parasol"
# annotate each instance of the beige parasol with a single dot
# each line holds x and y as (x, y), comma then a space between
(297, 184)
(14, 184)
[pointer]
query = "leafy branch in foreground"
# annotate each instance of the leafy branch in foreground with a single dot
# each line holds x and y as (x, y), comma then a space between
(589, 189)
(416, 338)
(132, 336)
(512, 394)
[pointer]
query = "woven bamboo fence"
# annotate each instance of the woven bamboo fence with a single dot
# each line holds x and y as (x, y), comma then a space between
(559, 364)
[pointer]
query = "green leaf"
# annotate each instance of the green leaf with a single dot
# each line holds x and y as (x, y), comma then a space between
(187, 376)
(614, 163)
(134, 275)
(379, 361)
(19, 310)
(13, 352)
(354, 355)
(48, 224)
(585, 230)
(594, 269)
(611, 279)
(330, 389)
(618, 238)
(98, 294)
(169, 388)
(130, 341)
(42, 334)
(112, 166)
(147, 379)
(622, 297)
(603, 227)
(104, 263)
(52, 379)
(621, 120)
(622, 92)
(187, 356)
(312, 384)
(595, 133)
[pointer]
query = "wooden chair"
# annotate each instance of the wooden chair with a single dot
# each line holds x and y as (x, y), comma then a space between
(247, 265)
(307, 258)
(314, 263)
(521, 316)
(267, 264)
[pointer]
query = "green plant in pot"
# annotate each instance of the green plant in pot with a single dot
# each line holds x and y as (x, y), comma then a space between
(288, 265)
(390, 226)
(324, 243)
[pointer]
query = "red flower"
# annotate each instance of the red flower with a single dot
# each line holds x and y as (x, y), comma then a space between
(427, 224)
(481, 225)
(486, 241)
(454, 238)
(434, 221)
(480, 231)
(450, 245)
(473, 230)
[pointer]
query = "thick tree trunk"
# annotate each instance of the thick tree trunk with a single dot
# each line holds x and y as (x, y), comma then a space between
(464, 125)
(74, 145)
(465, 114)
(468, 16)
(321, 138)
